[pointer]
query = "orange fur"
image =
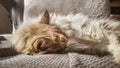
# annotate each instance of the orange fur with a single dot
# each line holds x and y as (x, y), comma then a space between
(42, 37)
(39, 38)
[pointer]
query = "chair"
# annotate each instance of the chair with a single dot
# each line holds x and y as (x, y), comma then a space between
(93, 8)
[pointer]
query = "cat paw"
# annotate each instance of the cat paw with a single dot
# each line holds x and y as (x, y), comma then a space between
(117, 59)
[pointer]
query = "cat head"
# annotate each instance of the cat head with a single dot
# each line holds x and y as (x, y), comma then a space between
(40, 38)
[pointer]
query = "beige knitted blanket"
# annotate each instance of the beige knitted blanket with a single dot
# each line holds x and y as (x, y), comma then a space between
(10, 59)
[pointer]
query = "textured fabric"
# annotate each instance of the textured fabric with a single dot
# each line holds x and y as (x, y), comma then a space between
(10, 59)
(93, 8)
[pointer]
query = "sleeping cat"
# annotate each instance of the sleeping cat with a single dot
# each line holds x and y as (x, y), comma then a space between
(50, 33)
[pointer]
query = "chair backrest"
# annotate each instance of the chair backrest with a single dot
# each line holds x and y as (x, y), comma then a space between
(93, 8)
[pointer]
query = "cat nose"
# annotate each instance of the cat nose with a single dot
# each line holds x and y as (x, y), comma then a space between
(64, 40)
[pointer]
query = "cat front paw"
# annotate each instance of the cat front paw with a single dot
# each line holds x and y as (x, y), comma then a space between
(117, 58)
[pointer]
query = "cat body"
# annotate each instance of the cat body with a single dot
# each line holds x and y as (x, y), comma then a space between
(102, 34)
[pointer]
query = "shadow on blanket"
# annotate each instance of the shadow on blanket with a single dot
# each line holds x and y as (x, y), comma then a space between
(4, 52)
(6, 48)
(2, 38)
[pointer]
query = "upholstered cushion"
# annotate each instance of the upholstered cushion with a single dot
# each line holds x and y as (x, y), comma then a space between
(93, 8)
(10, 59)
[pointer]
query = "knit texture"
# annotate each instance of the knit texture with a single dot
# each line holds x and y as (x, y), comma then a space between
(92, 8)
(10, 59)
(71, 58)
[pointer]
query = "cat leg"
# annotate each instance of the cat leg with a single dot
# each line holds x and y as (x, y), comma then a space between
(114, 47)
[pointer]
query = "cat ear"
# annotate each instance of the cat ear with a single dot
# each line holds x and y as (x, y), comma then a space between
(45, 18)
